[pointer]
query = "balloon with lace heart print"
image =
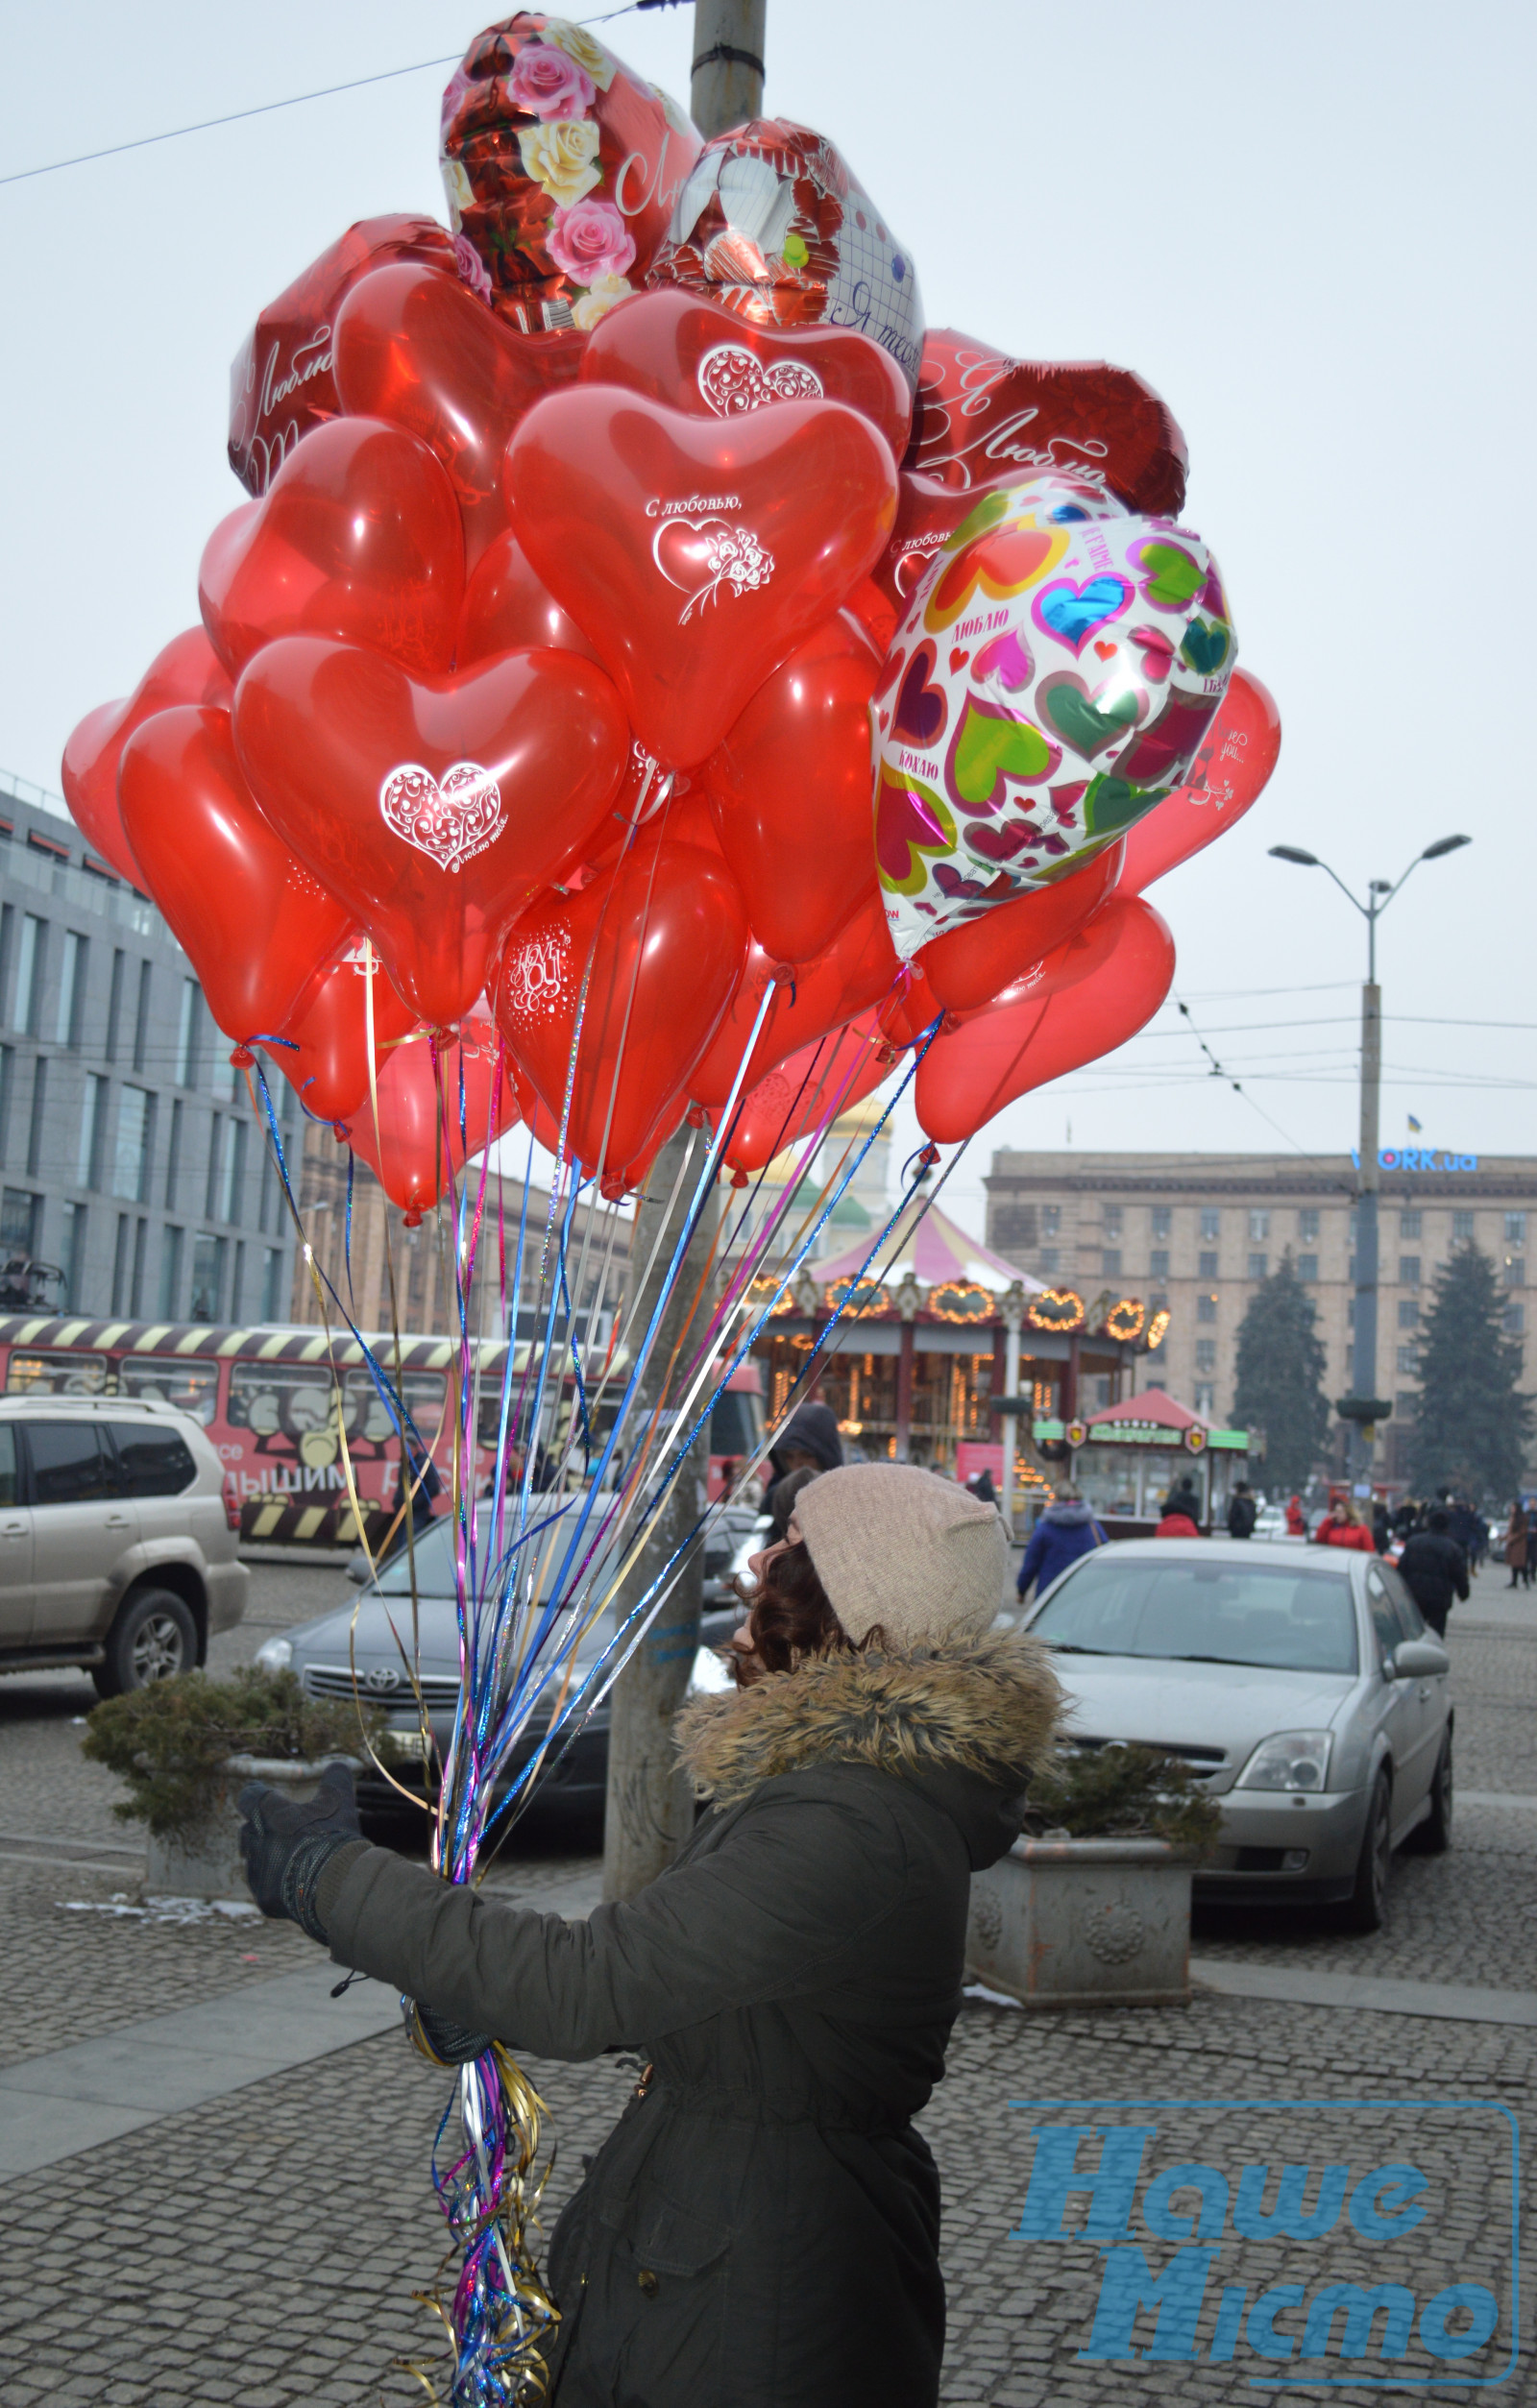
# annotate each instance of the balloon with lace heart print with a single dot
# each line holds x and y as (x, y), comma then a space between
(1056, 668)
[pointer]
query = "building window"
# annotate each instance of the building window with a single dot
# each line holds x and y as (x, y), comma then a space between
(8, 1071)
(72, 989)
(238, 1285)
(1405, 1407)
(1258, 1226)
(1015, 1229)
(1258, 1266)
(1109, 1262)
(1050, 1220)
(1206, 1355)
(92, 1115)
(114, 1004)
(131, 1165)
(1206, 1309)
(1515, 1228)
(272, 1284)
(1048, 1262)
(1158, 1263)
(141, 1018)
(1308, 1269)
(173, 1155)
(210, 1188)
(1206, 1266)
(1157, 1302)
(1408, 1271)
(187, 1034)
(207, 1276)
(1515, 1271)
(231, 1171)
(1514, 1320)
(1158, 1382)
(223, 1081)
(1409, 1223)
(1111, 1217)
(1409, 1360)
(39, 1111)
(136, 1291)
(1461, 1228)
(1307, 1223)
(170, 1272)
(18, 1221)
(120, 1259)
(1409, 1314)
(1204, 1399)
(1102, 1390)
(73, 1251)
(1211, 1222)
(1162, 1220)
(29, 972)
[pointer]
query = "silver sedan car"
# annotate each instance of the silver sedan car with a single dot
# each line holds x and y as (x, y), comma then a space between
(1301, 1687)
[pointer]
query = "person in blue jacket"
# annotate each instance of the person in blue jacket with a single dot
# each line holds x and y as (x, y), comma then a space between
(1065, 1531)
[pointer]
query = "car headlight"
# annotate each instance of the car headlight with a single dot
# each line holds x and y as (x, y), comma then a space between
(277, 1655)
(1288, 1760)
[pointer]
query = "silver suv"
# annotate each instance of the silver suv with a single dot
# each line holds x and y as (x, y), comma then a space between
(117, 1545)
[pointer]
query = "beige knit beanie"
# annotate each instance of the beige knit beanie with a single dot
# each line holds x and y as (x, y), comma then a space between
(902, 1547)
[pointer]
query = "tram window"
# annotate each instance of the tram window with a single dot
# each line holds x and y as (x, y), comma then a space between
(368, 1417)
(162, 1379)
(294, 1398)
(56, 1374)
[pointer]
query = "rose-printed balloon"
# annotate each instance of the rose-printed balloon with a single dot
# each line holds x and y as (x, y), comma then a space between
(771, 223)
(1059, 666)
(561, 168)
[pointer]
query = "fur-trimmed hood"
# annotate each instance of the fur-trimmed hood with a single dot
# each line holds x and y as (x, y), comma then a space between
(986, 1707)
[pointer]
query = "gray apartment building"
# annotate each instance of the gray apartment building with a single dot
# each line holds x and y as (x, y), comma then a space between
(131, 1163)
(1194, 1233)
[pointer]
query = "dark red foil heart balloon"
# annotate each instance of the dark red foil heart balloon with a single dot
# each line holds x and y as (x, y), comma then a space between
(983, 419)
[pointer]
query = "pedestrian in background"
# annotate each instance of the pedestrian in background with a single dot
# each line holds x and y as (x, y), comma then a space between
(1065, 1531)
(1382, 1529)
(1434, 1570)
(1242, 1512)
(1342, 1526)
(1516, 1537)
(1296, 1519)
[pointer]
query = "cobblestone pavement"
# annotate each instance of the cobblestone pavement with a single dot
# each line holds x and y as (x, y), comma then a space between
(262, 2249)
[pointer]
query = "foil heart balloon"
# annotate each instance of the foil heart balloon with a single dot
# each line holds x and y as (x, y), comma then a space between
(419, 1142)
(658, 946)
(856, 971)
(258, 929)
(1229, 772)
(507, 610)
(969, 966)
(416, 348)
(281, 384)
(714, 363)
(435, 809)
(186, 670)
(928, 514)
(357, 538)
(1051, 682)
(970, 1073)
(772, 225)
(325, 1058)
(982, 418)
(695, 554)
(811, 1086)
(561, 168)
(790, 789)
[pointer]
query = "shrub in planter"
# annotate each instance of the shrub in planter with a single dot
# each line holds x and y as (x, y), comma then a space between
(1120, 1793)
(170, 1740)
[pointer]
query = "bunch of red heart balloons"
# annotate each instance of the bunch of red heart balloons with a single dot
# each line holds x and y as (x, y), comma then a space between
(591, 605)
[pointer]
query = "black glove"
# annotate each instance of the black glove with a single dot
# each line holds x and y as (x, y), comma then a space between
(285, 1846)
(439, 2039)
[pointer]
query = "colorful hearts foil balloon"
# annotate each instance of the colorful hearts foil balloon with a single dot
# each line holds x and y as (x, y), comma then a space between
(187, 669)
(437, 808)
(771, 223)
(1051, 682)
(282, 381)
(561, 169)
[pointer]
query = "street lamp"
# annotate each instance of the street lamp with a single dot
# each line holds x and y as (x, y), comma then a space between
(1362, 1407)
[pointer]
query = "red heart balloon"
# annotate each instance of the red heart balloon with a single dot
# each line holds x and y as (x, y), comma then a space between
(982, 418)
(791, 793)
(507, 610)
(418, 1139)
(696, 554)
(855, 972)
(359, 537)
(254, 925)
(660, 944)
(1231, 771)
(697, 357)
(416, 348)
(282, 385)
(809, 1086)
(185, 671)
(969, 966)
(1020, 1044)
(325, 1060)
(435, 808)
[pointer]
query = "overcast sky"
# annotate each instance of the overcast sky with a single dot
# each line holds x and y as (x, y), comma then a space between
(1308, 225)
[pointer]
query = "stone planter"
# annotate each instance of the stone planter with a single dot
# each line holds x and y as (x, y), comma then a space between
(204, 1860)
(1061, 1923)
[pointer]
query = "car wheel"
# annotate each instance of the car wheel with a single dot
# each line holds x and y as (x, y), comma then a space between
(1362, 1911)
(153, 1638)
(1433, 1836)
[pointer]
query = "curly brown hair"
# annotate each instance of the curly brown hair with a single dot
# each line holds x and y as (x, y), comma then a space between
(791, 1617)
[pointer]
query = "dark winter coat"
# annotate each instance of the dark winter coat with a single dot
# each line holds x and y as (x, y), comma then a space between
(760, 2228)
(1062, 1534)
(1434, 1569)
(1242, 1515)
(814, 1427)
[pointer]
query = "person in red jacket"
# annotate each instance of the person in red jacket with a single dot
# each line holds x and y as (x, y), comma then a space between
(1296, 1519)
(1343, 1526)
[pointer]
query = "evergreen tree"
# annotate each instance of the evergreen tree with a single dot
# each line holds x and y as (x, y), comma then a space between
(1473, 1426)
(1280, 1378)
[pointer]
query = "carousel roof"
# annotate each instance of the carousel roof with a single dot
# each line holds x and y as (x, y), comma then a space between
(934, 1249)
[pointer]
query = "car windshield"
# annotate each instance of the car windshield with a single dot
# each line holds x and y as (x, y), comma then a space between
(434, 1552)
(1183, 1611)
